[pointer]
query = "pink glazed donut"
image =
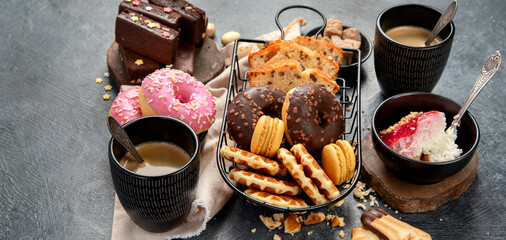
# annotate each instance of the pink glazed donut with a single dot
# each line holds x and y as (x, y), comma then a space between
(174, 93)
(125, 107)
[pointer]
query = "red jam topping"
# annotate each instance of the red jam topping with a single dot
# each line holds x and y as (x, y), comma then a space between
(404, 128)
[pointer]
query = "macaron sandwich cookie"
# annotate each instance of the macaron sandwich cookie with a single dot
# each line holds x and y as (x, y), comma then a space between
(338, 161)
(267, 136)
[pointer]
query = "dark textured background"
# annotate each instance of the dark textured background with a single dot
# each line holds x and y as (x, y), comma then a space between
(54, 177)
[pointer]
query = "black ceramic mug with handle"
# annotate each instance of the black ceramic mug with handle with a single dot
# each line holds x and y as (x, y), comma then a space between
(402, 68)
(157, 203)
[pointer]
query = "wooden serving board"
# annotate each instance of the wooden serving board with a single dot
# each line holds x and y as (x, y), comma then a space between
(408, 197)
(208, 63)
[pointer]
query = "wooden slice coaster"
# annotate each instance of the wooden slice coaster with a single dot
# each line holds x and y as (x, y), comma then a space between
(208, 63)
(408, 197)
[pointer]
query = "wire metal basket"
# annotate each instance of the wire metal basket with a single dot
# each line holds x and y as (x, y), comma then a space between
(348, 96)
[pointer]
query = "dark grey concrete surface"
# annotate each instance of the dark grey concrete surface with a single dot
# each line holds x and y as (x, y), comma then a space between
(54, 176)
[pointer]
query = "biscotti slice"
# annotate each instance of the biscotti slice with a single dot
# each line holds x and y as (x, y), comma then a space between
(327, 49)
(289, 74)
(282, 50)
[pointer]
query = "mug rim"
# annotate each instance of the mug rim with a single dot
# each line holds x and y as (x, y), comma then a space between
(383, 33)
(113, 158)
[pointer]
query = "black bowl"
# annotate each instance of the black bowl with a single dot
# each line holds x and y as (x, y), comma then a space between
(393, 109)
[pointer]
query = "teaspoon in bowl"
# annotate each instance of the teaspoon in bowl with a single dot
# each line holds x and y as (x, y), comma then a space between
(487, 72)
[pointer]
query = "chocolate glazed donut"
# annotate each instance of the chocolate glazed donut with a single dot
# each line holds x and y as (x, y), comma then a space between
(312, 117)
(247, 107)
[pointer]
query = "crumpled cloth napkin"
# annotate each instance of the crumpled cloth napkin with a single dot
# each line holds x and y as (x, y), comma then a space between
(212, 192)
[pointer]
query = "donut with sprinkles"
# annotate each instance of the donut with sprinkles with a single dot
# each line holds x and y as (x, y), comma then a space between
(125, 107)
(174, 93)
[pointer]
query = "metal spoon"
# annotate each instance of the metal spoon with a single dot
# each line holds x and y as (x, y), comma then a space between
(121, 136)
(487, 72)
(445, 18)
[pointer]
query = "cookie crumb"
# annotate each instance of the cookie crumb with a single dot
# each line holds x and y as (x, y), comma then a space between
(276, 237)
(340, 203)
(313, 218)
(310, 232)
(357, 192)
(270, 223)
(341, 234)
(292, 224)
(336, 221)
(253, 230)
(107, 74)
(361, 206)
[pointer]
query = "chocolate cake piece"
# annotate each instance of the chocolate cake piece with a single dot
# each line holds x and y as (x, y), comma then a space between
(171, 19)
(137, 66)
(185, 57)
(194, 19)
(146, 37)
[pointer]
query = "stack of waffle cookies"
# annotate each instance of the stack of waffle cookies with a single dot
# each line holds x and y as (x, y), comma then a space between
(285, 181)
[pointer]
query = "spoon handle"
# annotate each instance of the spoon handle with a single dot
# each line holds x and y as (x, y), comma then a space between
(445, 18)
(487, 72)
(120, 135)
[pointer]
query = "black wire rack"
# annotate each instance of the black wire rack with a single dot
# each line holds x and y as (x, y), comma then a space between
(348, 96)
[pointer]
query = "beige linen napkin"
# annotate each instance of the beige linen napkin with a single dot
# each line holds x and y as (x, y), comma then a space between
(212, 192)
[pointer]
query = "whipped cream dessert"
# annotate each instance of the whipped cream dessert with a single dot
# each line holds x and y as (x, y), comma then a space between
(422, 136)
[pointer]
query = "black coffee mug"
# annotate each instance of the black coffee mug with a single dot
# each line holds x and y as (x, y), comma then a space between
(157, 203)
(402, 68)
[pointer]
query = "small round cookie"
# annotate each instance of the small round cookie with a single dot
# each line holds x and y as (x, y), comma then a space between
(125, 107)
(312, 117)
(247, 107)
(174, 93)
(267, 136)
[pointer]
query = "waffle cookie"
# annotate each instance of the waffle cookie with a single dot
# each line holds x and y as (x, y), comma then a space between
(276, 200)
(264, 183)
(297, 172)
(313, 170)
(388, 227)
(254, 161)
